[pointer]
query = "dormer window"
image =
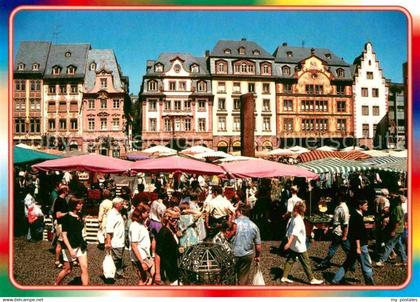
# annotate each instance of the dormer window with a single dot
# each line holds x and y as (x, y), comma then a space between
(35, 67)
(202, 86)
(67, 54)
(340, 73)
(152, 86)
(227, 51)
(92, 66)
(158, 68)
(256, 52)
(21, 66)
(289, 54)
(56, 70)
(241, 50)
(177, 68)
(285, 70)
(71, 69)
(328, 55)
(195, 68)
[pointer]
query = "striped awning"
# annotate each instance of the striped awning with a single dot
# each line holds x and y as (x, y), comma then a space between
(334, 165)
(319, 154)
(388, 163)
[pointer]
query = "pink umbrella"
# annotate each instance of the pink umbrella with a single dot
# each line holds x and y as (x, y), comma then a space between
(260, 168)
(88, 162)
(176, 163)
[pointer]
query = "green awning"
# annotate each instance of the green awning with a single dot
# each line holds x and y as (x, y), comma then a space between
(334, 165)
(23, 156)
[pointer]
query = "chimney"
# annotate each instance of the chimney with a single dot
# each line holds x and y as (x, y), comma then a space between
(207, 53)
(312, 51)
(243, 39)
(284, 44)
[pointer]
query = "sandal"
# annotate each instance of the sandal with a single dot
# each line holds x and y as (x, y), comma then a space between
(58, 264)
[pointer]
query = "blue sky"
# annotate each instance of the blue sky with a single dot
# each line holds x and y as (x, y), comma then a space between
(137, 36)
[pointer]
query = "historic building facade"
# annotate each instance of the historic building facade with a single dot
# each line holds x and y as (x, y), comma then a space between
(397, 113)
(104, 92)
(239, 67)
(176, 102)
(314, 97)
(370, 91)
(27, 93)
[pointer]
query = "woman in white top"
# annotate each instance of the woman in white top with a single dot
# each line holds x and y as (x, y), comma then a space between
(296, 234)
(140, 245)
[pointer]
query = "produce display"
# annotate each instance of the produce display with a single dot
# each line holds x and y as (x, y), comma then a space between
(319, 218)
(370, 218)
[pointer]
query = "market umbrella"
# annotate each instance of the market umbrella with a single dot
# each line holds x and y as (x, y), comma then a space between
(176, 164)
(326, 148)
(25, 155)
(260, 168)
(281, 152)
(388, 163)
(160, 150)
(137, 156)
(89, 162)
(334, 165)
(196, 150)
(318, 154)
(298, 149)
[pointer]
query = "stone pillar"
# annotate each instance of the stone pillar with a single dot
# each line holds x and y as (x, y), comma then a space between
(247, 125)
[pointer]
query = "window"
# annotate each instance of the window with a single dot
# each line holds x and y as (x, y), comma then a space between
(177, 105)
(73, 124)
(221, 104)
(168, 105)
(236, 123)
(177, 68)
(21, 67)
(35, 85)
(221, 125)
(227, 51)
(221, 66)
(172, 86)
(32, 104)
(201, 124)
(158, 68)
(321, 106)
(266, 123)
(187, 105)
(152, 105)
(71, 69)
(20, 85)
(314, 89)
(152, 124)
(341, 89)
(104, 83)
(365, 130)
(187, 124)
(241, 50)
(202, 86)
(20, 125)
(201, 105)
(307, 106)
(91, 123)
(182, 86)
(365, 110)
(365, 92)
(266, 105)
(62, 89)
(115, 104)
(51, 106)
(51, 89)
(369, 75)
(289, 54)
(62, 107)
(51, 124)
(341, 106)
(328, 55)
(315, 124)
(341, 125)
(115, 124)
(375, 110)
(92, 66)
(256, 52)
(266, 88)
(20, 104)
(285, 70)
(266, 69)
(73, 106)
(195, 68)
(103, 103)
(374, 128)
(375, 92)
(244, 67)
(63, 124)
(287, 88)
(236, 87)
(251, 87)
(340, 73)
(152, 86)
(56, 70)
(35, 125)
(104, 123)
(321, 125)
(67, 54)
(91, 104)
(287, 105)
(221, 87)
(288, 124)
(168, 125)
(236, 104)
(73, 89)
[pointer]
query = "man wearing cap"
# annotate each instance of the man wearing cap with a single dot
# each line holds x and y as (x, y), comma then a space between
(115, 235)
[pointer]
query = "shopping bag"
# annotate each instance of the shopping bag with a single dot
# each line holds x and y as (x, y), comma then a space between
(258, 276)
(108, 267)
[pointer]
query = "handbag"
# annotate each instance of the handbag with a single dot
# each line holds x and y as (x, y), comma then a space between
(258, 276)
(108, 266)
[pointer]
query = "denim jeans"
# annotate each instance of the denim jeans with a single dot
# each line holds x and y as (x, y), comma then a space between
(392, 242)
(365, 263)
(336, 242)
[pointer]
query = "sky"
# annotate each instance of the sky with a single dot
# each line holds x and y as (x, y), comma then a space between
(138, 36)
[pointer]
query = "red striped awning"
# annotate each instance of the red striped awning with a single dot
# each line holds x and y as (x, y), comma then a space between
(317, 154)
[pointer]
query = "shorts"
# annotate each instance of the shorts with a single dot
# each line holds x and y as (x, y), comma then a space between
(78, 251)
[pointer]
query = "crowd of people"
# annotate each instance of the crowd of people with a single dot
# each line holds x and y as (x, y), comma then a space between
(160, 216)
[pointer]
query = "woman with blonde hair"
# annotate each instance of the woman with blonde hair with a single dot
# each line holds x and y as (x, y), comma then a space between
(296, 234)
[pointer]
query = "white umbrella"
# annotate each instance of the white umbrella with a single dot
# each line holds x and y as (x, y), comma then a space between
(327, 148)
(353, 148)
(298, 149)
(281, 152)
(215, 154)
(402, 153)
(160, 150)
(234, 158)
(196, 150)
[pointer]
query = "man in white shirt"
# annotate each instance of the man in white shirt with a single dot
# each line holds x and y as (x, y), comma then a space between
(292, 200)
(115, 235)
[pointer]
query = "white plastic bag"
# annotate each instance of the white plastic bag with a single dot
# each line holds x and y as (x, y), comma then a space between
(108, 267)
(258, 276)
